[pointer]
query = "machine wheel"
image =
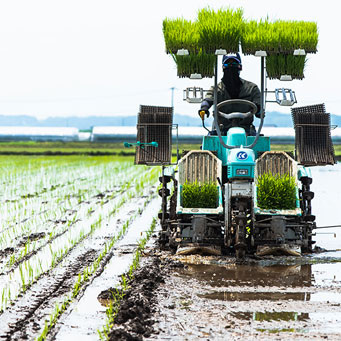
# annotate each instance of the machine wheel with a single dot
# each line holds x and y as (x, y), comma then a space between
(240, 253)
(172, 201)
(240, 245)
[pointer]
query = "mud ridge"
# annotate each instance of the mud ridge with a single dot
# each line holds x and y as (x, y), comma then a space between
(133, 320)
(29, 317)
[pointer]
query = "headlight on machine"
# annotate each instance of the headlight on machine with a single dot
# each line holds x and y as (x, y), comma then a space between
(242, 172)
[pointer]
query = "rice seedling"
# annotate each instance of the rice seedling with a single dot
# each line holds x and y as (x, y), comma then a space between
(58, 249)
(279, 36)
(195, 195)
(180, 34)
(276, 192)
(226, 29)
(119, 294)
(41, 220)
(84, 277)
(49, 252)
(220, 30)
(278, 65)
(59, 309)
(201, 62)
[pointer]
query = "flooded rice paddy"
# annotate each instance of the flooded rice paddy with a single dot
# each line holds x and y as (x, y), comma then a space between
(70, 230)
(250, 301)
(274, 298)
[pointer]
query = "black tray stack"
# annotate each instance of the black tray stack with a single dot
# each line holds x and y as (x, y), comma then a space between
(313, 143)
(154, 125)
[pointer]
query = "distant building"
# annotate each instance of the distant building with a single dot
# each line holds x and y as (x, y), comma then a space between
(113, 134)
(39, 134)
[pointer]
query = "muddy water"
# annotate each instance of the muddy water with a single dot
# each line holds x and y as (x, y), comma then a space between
(275, 298)
(216, 299)
(250, 301)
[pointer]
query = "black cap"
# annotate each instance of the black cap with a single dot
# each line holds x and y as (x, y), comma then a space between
(234, 56)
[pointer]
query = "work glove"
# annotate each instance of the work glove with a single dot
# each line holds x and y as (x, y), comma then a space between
(202, 111)
(258, 113)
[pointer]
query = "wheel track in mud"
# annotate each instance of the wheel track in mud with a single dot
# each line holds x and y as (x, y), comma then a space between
(41, 302)
(87, 317)
(28, 315)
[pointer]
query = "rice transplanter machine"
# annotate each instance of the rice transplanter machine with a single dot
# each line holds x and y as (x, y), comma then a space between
(234, 162)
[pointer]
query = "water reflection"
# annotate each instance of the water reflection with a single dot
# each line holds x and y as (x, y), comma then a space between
(250, 275)
(256, 296)
(271, 316)
(281, 284)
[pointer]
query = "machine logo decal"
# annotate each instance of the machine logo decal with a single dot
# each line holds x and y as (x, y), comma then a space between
(241, 155)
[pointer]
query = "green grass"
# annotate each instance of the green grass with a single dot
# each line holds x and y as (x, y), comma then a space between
(62, 147)
(108, 150)
(113, 150)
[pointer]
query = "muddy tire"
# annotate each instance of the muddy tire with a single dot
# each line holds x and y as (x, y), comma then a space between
(240, 245)
(240, 253)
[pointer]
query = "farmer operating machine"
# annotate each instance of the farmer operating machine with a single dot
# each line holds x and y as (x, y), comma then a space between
(213, 197)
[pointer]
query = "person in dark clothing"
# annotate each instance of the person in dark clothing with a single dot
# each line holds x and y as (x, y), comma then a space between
(233, 87)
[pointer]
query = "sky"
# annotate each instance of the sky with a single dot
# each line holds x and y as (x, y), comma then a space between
(107, 57)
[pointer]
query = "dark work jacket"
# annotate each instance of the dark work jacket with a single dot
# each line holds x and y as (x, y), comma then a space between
(248, 91)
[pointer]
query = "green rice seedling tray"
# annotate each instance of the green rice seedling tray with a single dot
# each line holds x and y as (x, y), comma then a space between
(202, 63)
(221, 29)
(275, 192)
(180, 34)
(279, 37)
(200, 199)
(199, 195)
(226, 29)
(279, 64)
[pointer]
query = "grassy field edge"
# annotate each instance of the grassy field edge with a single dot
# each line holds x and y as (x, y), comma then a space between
(99, 148)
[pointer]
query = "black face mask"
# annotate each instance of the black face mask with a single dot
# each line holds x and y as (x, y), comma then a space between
(232, 81)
